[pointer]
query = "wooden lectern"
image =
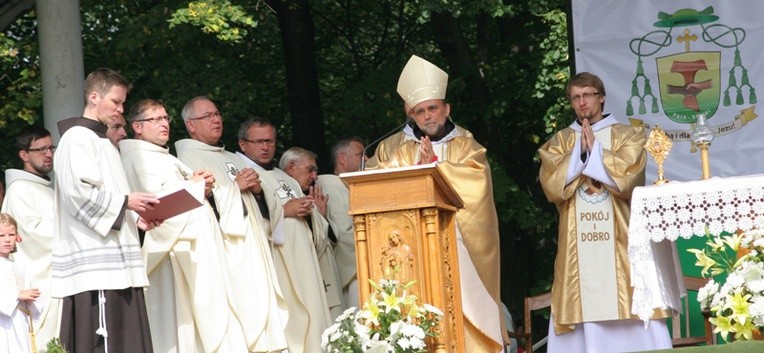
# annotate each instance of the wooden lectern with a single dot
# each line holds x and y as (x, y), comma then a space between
(404, 222)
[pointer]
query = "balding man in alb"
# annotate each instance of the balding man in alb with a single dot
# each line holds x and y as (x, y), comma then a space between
(300, 164)
(433, 137)
(260, 304)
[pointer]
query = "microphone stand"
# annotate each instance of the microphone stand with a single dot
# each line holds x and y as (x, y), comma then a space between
(363, 156)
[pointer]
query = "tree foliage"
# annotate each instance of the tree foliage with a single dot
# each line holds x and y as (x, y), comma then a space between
(226, 21)
(508, 63)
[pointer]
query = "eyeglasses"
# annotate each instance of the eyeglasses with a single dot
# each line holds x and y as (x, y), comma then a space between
(42, 150)
(208, 116)
(260, 142)
(586, 96)
(155, 120)
(312, 169)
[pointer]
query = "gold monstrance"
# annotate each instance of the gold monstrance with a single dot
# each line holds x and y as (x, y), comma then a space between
(658, 145)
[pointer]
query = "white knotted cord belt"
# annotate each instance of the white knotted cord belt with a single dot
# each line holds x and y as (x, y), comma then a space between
(102, 321)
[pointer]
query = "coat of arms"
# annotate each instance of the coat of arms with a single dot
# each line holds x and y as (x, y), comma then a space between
(692, 82)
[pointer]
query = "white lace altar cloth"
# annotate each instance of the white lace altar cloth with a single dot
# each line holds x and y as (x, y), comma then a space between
(684, 209)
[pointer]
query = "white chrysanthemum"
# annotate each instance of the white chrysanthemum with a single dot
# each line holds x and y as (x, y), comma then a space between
(346, 314)
(334, 336)
(410, 330)
(725, 289)
(707, 292)
(759, 243)
(324, 340)
(756, 309)
(716, 300)
(431, 309)
(753, 235)
(735, 281)
(404, 343)
(417, 343)
(330, 335)
(388, 283)
(756, 286)
(751, 271)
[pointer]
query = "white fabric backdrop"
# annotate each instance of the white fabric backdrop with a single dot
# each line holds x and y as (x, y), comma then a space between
(605, 31)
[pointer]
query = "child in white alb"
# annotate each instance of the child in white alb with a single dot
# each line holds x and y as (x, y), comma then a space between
(18, 302)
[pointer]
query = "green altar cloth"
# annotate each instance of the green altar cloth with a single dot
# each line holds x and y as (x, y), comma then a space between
(734, 347)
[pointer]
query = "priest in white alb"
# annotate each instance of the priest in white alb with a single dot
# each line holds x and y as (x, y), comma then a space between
(259, 302)
(97, 265)
(29, 200)
(300, 165)
(294, 249)
(347, 154)
(188, 302)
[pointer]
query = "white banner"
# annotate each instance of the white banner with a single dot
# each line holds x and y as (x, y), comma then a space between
(665, 62)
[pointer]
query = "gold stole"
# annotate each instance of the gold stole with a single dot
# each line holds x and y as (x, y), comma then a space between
(595, 235)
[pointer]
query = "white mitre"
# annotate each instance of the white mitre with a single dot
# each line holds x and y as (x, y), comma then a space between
(421, 81)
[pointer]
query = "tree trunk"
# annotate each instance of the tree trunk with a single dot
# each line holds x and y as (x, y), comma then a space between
(463, 66)
(297, 33)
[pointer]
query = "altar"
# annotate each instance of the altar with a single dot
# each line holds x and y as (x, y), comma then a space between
(662, 213)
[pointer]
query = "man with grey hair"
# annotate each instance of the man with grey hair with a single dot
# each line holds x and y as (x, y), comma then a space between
(347, 154)
(300, 164)
(294, 251)
(256, 291)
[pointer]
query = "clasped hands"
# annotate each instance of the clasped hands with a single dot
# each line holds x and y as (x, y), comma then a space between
(248, 179)
(426, 152)
(209, 180)
(302, 206)
(587, 136)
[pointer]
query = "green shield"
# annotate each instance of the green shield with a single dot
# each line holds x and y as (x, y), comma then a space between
(690, 84)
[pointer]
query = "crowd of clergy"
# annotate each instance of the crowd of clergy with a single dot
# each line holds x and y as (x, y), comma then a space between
(264, 263)
(260, 266)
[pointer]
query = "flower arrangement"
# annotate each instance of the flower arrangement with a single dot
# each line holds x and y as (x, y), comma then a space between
(390, 322)
(737, 306)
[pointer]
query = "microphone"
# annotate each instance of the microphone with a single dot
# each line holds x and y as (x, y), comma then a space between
(363, 159)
